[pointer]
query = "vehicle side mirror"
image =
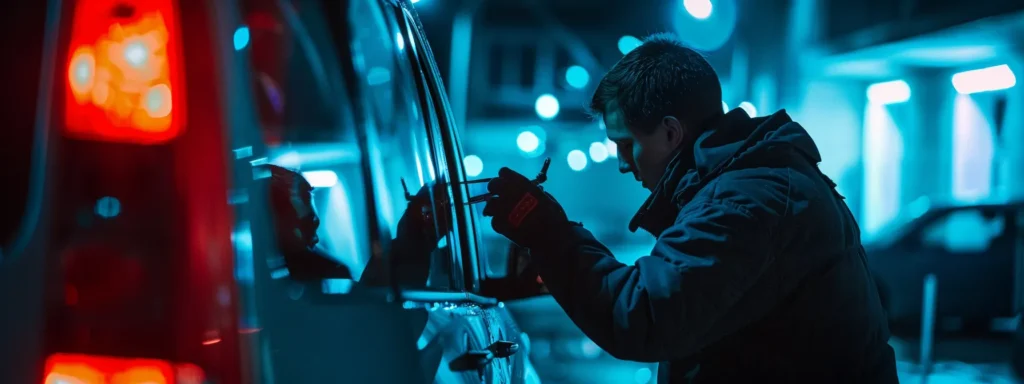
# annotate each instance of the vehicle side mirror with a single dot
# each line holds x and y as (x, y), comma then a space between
(520, 282)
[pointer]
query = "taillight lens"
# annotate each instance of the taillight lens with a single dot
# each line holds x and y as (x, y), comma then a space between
(124, 72)
(87, 369)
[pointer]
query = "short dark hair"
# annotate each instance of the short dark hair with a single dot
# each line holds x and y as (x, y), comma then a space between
(284, 184)
(662, 77)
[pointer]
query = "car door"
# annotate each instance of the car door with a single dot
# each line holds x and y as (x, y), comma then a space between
(411, 105)
(321, 74)
(500, 328)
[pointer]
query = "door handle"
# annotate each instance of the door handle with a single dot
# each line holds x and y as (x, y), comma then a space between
(478, 360)
(502, 349)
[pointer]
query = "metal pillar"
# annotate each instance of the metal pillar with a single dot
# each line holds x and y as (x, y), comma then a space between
(931, 290)
(461, 55)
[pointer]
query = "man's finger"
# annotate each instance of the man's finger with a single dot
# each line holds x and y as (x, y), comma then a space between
(500, 225)
(498, 185)
(491, 208)
(506, 173)
(424, 191)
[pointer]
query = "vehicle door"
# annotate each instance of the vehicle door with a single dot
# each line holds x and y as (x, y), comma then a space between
(501, 329)
(324, 76)
(396, 140)
(970, 250)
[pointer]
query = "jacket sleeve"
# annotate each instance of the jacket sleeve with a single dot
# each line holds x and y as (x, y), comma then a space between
(687, 293)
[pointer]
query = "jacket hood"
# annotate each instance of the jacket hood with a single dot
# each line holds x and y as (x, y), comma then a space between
(733, 141)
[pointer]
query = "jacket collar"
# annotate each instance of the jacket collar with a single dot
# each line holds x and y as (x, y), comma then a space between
(729, 141)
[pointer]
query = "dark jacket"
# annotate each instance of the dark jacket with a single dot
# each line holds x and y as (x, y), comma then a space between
(758, 274)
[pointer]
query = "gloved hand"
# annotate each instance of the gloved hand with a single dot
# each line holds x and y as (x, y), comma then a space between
(415, 239)
(523, 212)
(417, 222)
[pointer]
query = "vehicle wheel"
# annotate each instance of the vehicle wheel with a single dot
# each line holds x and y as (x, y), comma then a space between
(1017, 354)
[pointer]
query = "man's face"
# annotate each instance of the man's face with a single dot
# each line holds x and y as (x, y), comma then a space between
(302, 228)
(644, 155)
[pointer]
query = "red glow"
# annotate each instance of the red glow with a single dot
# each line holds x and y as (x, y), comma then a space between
(97, 275)
(211, 341)
(125, 81)
(85, 369)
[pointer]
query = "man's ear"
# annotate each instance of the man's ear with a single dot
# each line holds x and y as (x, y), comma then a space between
(675, 131)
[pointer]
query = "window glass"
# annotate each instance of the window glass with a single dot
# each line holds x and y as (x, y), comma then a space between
(309, 127)
(430, 100)
(406, 150)
(969, 230)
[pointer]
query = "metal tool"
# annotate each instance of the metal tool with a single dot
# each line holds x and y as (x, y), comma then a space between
(540, 179)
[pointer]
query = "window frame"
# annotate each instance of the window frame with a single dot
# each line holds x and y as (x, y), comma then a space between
(432, 109)
(465, 263)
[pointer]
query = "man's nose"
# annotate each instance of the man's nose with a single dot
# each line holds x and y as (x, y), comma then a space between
(624, 166)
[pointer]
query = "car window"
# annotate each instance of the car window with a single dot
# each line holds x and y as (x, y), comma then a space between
(307, 130)
(305, 127)
(428, 101)
(407, 152)
(964, 231)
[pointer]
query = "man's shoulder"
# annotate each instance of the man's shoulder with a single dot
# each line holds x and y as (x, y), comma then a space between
(770, 192)
(757, 190)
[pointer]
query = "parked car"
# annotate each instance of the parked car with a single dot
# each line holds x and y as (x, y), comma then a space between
(146, 253)
(974, 252)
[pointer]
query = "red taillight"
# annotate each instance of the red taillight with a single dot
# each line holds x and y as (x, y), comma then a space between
(124, 72)
(86, 369)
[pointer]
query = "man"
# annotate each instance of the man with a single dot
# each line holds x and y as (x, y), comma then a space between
(758, 274)
(296, 223)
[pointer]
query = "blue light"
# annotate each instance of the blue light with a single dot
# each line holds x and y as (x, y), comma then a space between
(577, 160)
(988, 79)
(527, 141)
(725, 107)
(577, 76)
(400, 41)
(613, 149)
(547, 106)
(108, 207)
(321, 179)
(643, 376)
(474, 165)
(889, 92)
(699, 9)
(598, 152)
(749, 108)
(628, 43)
(241, 38)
